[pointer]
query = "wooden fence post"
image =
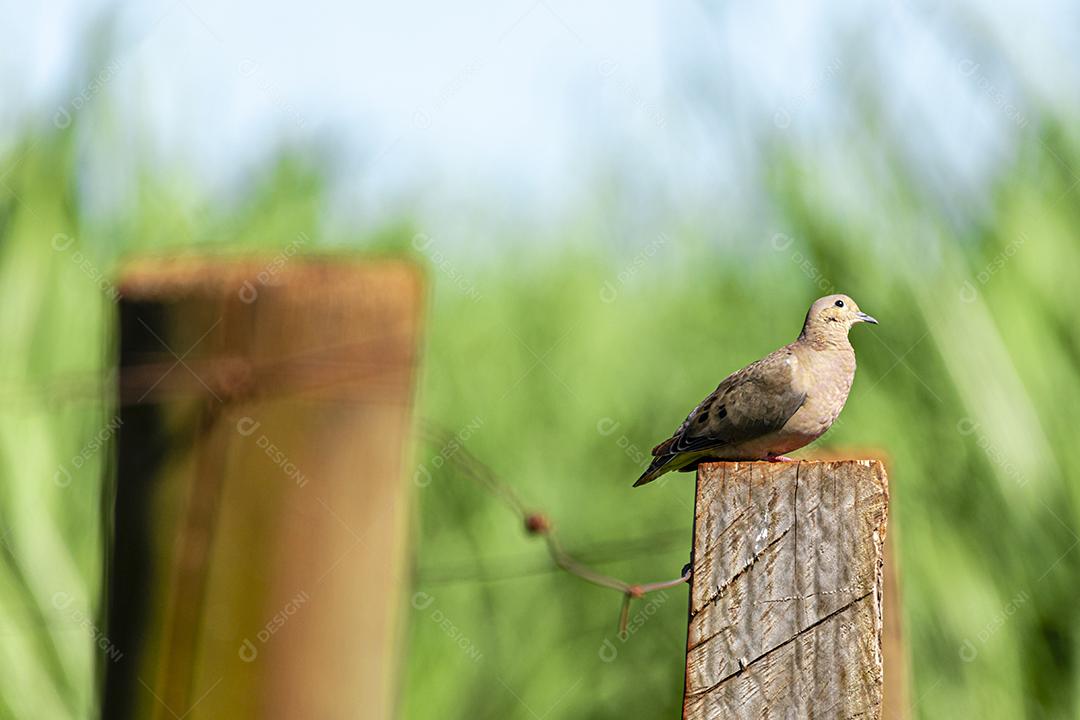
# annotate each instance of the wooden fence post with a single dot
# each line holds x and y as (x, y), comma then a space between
(786, 598)
(257, 557)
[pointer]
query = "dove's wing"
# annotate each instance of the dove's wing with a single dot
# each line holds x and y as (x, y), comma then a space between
(748, 404)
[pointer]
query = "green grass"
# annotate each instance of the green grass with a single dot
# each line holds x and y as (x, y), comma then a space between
(562, 388)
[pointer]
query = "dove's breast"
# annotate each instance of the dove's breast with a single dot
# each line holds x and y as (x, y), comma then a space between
(827, 376)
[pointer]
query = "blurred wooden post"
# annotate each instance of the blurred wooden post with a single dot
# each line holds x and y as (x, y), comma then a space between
(896, 700)
(257, 558)
(786, 599)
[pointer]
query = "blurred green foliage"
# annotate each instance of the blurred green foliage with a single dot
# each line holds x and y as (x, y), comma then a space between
(560, 365)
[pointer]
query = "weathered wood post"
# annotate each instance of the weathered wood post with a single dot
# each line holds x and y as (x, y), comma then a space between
(257, 554)
(786, 598)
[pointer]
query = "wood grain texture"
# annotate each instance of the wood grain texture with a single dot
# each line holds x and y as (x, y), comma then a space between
(257, 560)
(786, 599)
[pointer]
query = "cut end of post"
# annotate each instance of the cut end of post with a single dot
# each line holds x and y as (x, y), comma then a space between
(786, 594)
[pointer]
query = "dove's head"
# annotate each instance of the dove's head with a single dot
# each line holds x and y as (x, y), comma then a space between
(832, 316)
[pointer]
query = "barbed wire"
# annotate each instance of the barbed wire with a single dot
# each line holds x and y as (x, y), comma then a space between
(524, 565)
(538, 524)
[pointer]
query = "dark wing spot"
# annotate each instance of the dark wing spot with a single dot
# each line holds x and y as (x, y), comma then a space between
(701, 417)
(721, 412)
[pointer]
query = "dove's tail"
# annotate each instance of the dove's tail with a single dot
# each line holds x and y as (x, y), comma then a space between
(670, 462)
(658, 467)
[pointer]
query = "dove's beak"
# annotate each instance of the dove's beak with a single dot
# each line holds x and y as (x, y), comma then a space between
(863, 317)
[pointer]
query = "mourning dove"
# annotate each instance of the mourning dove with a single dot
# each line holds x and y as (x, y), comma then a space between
(776, 405)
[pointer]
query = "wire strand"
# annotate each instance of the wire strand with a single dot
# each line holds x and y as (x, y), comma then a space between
(536, 523)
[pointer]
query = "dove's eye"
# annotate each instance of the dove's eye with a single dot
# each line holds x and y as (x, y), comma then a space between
(839, 303)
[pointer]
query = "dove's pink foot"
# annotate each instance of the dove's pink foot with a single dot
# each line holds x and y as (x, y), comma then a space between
(780, 458)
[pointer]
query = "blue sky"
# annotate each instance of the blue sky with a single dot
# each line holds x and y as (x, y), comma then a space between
(436, 104)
